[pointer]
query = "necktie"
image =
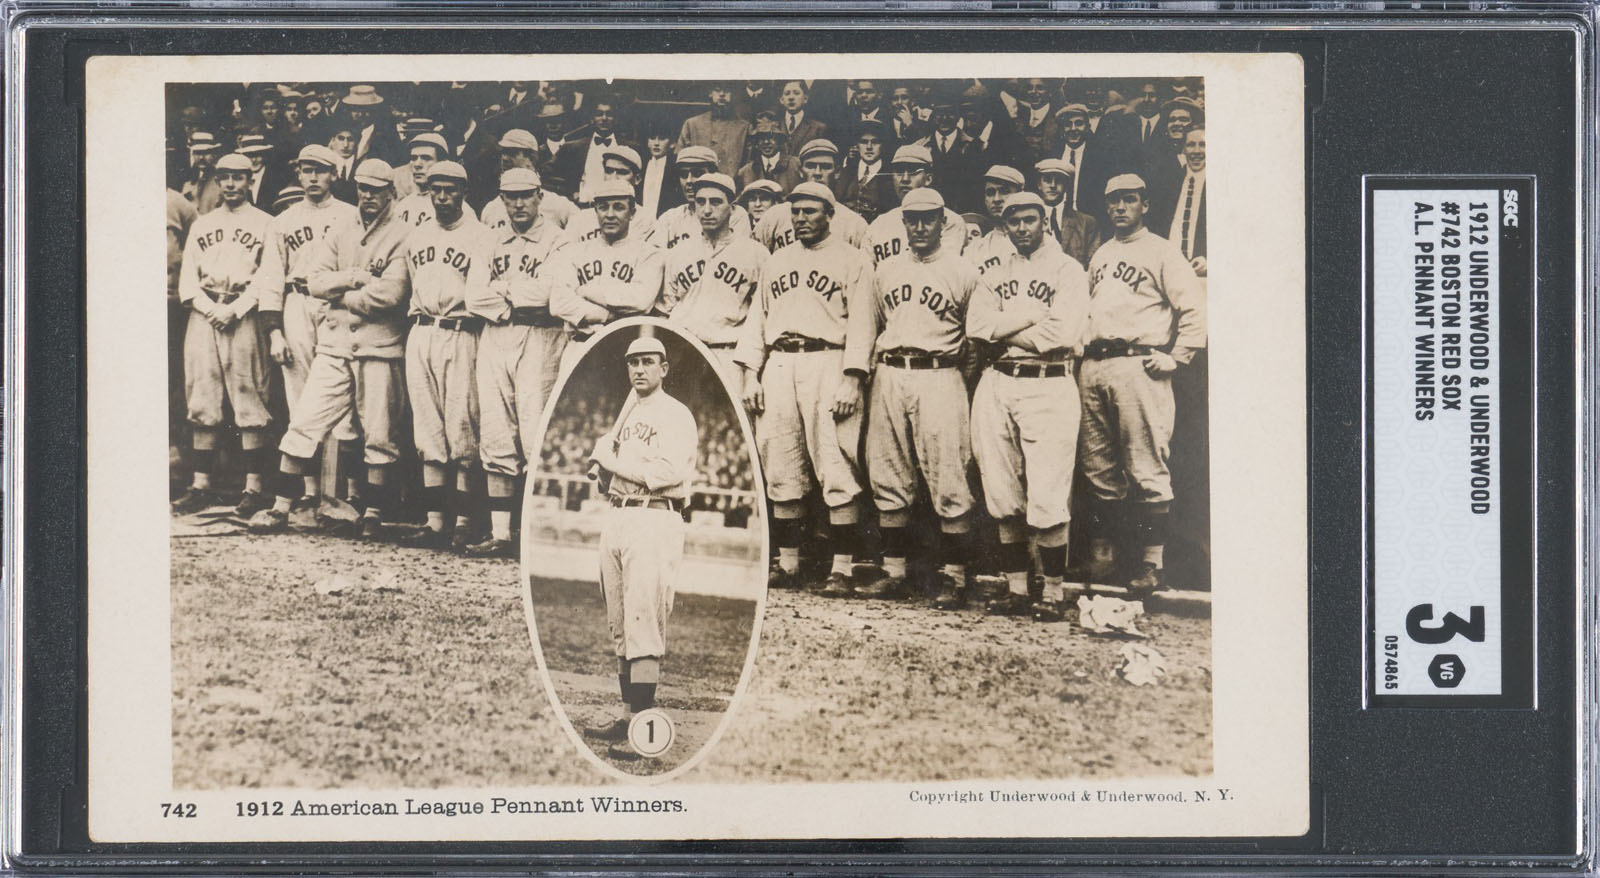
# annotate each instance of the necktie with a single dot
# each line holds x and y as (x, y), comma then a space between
(792, 123)
(1055, 221)
(1188, 212)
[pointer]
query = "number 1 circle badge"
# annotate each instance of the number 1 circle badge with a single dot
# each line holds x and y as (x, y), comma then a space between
(650, 732)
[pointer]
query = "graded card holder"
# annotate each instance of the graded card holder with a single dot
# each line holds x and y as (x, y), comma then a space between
(1449, 490)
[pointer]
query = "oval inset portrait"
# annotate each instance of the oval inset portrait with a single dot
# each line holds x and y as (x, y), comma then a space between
(644, 549)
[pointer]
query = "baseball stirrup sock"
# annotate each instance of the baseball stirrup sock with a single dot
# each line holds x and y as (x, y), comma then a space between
(433, 497)
(954, 549)
(786, 536)
(1014, 564)
(1053, 561)
(204, 463)
(500, 516)
(1151, 529)
(894, 550)
(843, 538)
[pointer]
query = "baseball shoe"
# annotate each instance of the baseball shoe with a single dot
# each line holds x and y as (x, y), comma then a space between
(616, 730)
(1047, 611)
(303, 515)
(194, 500)
(887, 588)
(371, 527)
(492, 548)
(622, 751)
(426, 538)
(837, 586)
(1010, 605)
(251, 502)
(460, 540)
(1146, 582)
(780, 578)
(951, 595)
(267, 521)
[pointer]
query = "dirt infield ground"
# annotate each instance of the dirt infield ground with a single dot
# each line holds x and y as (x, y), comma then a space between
(420, 673)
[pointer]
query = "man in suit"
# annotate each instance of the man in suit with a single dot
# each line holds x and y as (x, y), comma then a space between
(1178, 211)
(269, 173)
(552, 126)
(868, 189)
(579, 162)
(376, 136)
(1036, 123)
(983, 119)
(1147, 115)
(718, 129)
(908, 119)
(1091, 161)
(955, 157)
(1163, 158)
(1078, 232)
(755, 98)
(769, 161)
(659, 189)
(799, 126)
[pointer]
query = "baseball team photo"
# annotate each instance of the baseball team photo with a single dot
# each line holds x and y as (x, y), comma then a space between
(745, 431)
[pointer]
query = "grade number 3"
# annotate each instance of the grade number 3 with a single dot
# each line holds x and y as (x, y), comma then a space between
(1451, 625)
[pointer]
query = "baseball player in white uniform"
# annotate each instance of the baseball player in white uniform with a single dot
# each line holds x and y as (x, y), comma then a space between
(912, 169)
(615, 274)
(819, 163)
(680, 224)
(416, 209)
(616, 163)
(805, 353)
(711, 279)
(223, 361)
(288, 312)
(519, 352)
(518, 148)
(917, 431)
(1025, 413)
(994, 246)
(358, 367)
(1141, 287)
(442, 351)
(646, 465)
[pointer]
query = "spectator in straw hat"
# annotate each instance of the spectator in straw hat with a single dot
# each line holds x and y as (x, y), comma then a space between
(200, 187)
(376, 136)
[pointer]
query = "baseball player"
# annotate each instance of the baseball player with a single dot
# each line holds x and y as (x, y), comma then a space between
(618, 163)
(416, 209)
(917, 414)
(758, 198)
(912, 169)
(1025, 413)
(442, 350)
(224, 366)
(288, 312)
(819, 163)
(518, 149)
(519, 352)
(1146, 318)
(615, 274)
(646, 465)
(993, 247)
(680, 223)
(805, 353)
(358, 367)
(711, 279)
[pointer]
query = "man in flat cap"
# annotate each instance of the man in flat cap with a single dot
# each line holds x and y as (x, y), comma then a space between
(758, 198)
(990, 250)
(1033, 310)
(1078, 232)
(358, 370)
(912, 169)
(768, 161)
(442, 352)
(805, 353)
(819, 164)
(426, 150)
(917, 434)
(711, 279)
(680, 224)
(1147, 317)
(613, 274)
(1091, 161)
(224, 368)
(621, 164)
(518, 150)
(718, 129)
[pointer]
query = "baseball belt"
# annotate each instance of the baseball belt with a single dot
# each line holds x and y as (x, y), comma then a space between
(646, 501)
(535, 316)
(799, 344)
(1106, 348)
(917, 361)
(457, 324)
(222, 297)
(722, 346)
(1032, 370)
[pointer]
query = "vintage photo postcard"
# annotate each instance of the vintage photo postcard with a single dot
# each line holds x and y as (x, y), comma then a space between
(614, 447)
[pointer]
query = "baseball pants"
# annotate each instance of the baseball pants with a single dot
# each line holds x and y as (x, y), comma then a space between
(640, 550)
(443, 387)
(1025, 437)
(225, 367)
(517, 368)
(917, 430)
(301, 314)
(1127, 430)
(372, 389)
(799, 441)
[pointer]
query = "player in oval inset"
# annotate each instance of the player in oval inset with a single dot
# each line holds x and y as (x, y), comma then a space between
(644, 549)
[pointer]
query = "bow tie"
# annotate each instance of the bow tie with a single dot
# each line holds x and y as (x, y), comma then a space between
(602, 141)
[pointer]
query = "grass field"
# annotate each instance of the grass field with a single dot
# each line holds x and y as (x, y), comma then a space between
(423, 675)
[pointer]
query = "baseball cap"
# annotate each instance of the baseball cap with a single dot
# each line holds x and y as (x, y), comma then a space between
(234, 162)
(810, 189)
(697, 155)
(819, 145)
(520, 180)
(318, 154)
(447, 171)
(1124, 183)
(374, 172)
(1053, 166)
(432, 139)
(1004, 174)
(772, 189)
(912, 154)
(1073, 110)
(624, 154)
(516, 138)
(721, 181)
(1022, 199)
(613, 189)
(646, 344)
(925, 198)
(251, 144)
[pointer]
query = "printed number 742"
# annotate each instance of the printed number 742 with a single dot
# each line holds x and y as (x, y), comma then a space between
(179, 809)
